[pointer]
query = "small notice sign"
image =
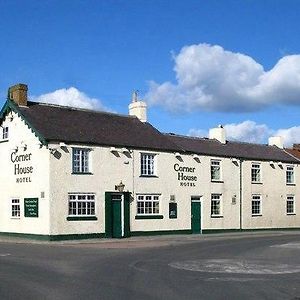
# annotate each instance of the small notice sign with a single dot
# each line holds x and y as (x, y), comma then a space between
(31, 207)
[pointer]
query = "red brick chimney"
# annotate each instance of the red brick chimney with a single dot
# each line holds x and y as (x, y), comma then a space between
(18, 94)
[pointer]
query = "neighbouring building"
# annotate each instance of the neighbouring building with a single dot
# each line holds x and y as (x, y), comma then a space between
(74, 173)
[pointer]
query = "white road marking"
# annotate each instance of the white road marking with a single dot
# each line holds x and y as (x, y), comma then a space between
(4, 254)
(288, 245)
(233, 266)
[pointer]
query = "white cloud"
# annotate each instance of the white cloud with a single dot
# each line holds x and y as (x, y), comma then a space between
(290, 135)
(250, 131)
(71, 97)
(213, 79)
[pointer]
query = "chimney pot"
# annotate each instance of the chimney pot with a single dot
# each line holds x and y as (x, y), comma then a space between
(18, 94)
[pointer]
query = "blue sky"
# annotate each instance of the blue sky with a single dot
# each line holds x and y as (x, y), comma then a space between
(197, 63)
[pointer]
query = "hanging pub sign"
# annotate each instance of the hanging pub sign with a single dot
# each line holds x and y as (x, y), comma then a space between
(22, 166)
(185, 175)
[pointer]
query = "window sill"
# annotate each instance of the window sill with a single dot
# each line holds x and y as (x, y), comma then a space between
(254, 182)
(291, 184)
(15, 218)
(82, 173)
(217, 181)
(260, 215)
(82, 218)
(216, 217)
(291, 214)
(140, 217)
(149, 176)
(4, 141)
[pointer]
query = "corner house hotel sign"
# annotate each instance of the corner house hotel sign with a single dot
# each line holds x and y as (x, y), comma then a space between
(22, 166)
(185, 175)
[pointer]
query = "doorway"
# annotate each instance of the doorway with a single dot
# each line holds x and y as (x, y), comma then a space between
(117, 223)
(196, 214)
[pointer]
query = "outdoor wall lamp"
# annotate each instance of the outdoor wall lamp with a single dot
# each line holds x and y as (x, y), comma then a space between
(120, 187)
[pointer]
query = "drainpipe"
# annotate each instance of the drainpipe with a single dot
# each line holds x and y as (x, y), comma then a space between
(241, 194)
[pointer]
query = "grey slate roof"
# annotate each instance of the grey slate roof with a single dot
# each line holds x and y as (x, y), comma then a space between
(71, 125)
(213, 147)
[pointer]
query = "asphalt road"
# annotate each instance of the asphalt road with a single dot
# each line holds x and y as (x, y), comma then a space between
(252, 266)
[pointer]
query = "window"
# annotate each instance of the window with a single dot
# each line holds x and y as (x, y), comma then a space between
(290, 175)
(215, 170)
(215, 204)
(147, 164)
(81, 204)
(147, 204)
(255, 173)
(15, 208)
(81, 160)
(5, 133)
(290, 204)
(256, 205)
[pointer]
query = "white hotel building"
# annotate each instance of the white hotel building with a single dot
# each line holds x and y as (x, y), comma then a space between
(73, 173)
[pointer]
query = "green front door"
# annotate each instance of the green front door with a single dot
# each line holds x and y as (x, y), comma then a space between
(116, 216)
(196, 216)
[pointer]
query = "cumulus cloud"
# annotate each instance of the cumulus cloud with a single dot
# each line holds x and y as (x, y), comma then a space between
(248, 131)
(251, 132)
(71, 97)
(290, 135)
(213, 79)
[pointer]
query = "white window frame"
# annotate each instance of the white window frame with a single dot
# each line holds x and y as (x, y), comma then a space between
(256, 198)
(5, 133)
(216, 205)
(256, 177)
(15, 208)
(215, 165)
(153, 210)
(81, 204)
(83, 160)
(148, 164)
(290, 199)
(290, 175)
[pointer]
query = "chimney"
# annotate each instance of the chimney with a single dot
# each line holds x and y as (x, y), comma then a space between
(138, 108)
(18, 94)
(218, 134)
(276, 141)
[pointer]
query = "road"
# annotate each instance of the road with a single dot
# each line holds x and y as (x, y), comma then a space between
(231, 266)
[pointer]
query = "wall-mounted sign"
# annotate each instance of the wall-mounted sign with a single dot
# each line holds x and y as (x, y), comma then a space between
(22, 166)
(172, 210)
(185, 175)
(31, 207)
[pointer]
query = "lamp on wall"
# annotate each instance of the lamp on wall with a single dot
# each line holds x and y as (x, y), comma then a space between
(15, 150)
(177, 155)
(196, 158)
(125, 150)
(120, 187)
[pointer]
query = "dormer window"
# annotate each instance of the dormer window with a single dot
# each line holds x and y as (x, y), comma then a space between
(4, 133)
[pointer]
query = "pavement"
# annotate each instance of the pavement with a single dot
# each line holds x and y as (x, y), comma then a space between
(149, 241)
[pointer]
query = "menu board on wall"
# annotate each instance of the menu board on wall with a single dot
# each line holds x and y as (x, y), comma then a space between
(31, 207)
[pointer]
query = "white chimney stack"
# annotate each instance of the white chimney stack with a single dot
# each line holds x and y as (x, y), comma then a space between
(276, 141)
(138, 108)
(218, 134)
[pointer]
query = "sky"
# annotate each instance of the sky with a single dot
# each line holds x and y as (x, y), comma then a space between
(197, 64)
